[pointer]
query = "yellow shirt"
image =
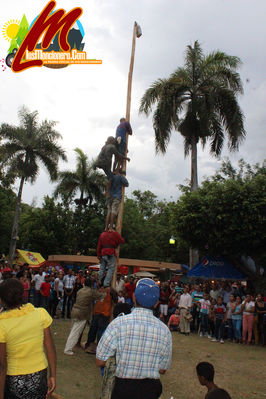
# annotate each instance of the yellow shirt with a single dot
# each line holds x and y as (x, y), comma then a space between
(22, 331)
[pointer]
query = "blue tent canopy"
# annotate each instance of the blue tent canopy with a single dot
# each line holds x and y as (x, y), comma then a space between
(215, 268)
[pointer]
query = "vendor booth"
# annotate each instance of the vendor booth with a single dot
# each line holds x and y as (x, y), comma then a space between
(214, 268)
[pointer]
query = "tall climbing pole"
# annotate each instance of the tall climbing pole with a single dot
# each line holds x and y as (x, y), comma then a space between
(136, 34)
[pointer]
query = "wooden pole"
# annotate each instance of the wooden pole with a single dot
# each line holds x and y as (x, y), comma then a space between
(119, 221)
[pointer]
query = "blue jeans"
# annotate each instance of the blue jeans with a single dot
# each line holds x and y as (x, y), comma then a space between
(107, 262)
(237, 324)
(229, 328)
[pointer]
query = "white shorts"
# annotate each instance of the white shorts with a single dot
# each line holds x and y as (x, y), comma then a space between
(164, 309)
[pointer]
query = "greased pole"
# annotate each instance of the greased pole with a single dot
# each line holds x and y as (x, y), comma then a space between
(136, 33)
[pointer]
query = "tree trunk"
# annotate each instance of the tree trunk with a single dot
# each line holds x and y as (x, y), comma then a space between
(194, 164)
(13, 240)
(193, 253)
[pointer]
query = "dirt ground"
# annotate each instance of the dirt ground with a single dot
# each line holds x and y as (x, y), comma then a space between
(239, 369)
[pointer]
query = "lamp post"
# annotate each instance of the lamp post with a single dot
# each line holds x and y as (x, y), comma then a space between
(136, 34)
(172, 240)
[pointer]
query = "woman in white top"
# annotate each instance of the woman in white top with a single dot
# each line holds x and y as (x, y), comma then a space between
(248, 308)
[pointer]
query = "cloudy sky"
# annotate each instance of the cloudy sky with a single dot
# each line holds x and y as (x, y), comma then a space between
(88, 100)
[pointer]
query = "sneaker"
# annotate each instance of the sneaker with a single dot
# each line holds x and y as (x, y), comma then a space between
(222, 341)
(214, 340)
(209, 336)
(68, 353)
(200, 334)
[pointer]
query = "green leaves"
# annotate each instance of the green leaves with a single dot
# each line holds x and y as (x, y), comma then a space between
(84, 180)
(199, 99)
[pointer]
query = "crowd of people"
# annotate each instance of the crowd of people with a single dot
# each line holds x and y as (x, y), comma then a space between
(221, 311)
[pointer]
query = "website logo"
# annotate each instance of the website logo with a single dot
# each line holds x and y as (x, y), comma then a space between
(54, 39)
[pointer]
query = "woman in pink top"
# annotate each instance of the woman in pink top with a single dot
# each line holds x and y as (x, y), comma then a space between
(248, 308)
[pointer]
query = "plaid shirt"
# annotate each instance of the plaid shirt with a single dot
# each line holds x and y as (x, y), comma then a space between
(141, 343)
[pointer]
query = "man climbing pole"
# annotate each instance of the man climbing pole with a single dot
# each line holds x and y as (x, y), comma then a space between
(113, 197)
(107, 244)
(104, 159)
(122, 130)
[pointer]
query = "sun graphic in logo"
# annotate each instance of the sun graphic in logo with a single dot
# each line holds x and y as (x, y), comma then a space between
(10, 29)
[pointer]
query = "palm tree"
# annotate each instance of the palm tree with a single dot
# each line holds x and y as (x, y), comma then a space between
(84, 179)
(199, 100)
(23, 148)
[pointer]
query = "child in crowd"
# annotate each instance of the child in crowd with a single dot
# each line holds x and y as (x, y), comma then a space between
(219, 316)
(173, 323)
(205, 372)
(228, 317)
(204, 305)
(211, 318)
(121, 298)
(45, 291)
(237, 319)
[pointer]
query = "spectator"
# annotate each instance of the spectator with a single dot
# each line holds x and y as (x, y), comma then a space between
(219, 317)
(79, 283)
(121, 298)
(24, 333)
(120, 283)
(205, 372)
(174, 321)
(26, 286)
(82, 313)
(228, 316)
(237, 319)
(248, 308)
(260, 308)
(172, 305)
(37, 281)
(164, 300)
(69, 283)
(185, 304)
(59, 293)
(45, 292)
(101, 319)
(239, 290)
(196, 295)
(226, 294)
(215, 292)
(204, 306)
(212, 318)
(130, 288)
(142, 345)
(218, 393)
(109, 370)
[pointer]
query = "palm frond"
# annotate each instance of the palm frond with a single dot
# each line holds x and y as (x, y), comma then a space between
(231, 116)
(151, 96)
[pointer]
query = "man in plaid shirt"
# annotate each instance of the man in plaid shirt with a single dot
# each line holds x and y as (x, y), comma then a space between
(142, 345)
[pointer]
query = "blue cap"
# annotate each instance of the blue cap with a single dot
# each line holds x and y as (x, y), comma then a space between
(147, 292)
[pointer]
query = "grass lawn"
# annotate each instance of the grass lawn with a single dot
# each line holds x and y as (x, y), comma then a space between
(239, 369)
